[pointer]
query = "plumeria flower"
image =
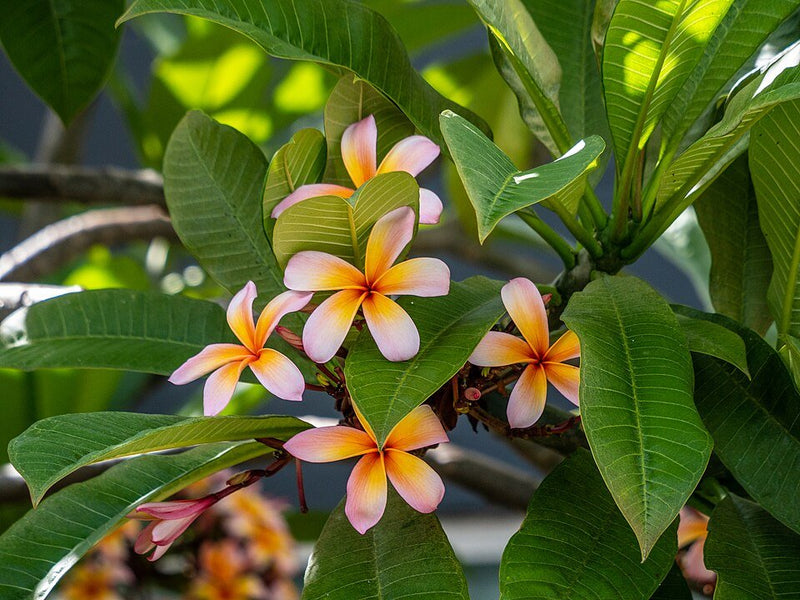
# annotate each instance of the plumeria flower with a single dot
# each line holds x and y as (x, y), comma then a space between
(693, 529)
(391, 327)
(168, 521)
(359, 143)
(415, 481)
(227, 361)
(544, 362)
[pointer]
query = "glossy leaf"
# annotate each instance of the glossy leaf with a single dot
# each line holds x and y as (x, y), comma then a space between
(755, 556)
(496, 188)
(574, 544)
(741, 265)
(64, 50)
(332, 32)
(449, 329)
(706, 337)
(41, 547)
(674, 586)
(53, 448)
(341, 226)
(636, 401)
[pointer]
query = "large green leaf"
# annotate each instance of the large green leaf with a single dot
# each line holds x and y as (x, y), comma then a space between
(53, 448)
(341, 226)
(111, 329)
(741, 266)
(636, 401)
(674, 586)
(405, 556)
(41, 547)
(340, 33)
(496, 188)
(755, 556)
(574, 543)
(64, 50)
(706, 337)
(775, 166)
(754, 423)
(449, 329)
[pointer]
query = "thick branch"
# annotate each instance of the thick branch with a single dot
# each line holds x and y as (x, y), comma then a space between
(19, 295)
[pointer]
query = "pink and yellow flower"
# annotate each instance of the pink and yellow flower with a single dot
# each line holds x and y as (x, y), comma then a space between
(544, 362)
(692, 532)
(359, 143)
(168, 522)
(415, 481)
(227, 361)
(391, 327)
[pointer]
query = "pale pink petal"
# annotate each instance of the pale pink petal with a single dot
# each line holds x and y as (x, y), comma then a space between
(173, 509)
(392, 329)
(527, 400)
(565, 378)
(498, 349)
(694, 567)
(166, 532)
(279, 375)
(390, 234)
(359, 142)
(310, 190)
(416, 277)
(566, 347)
(418, 429)
(366, 493)
(144, 541)
(240, 315)
(526, 308)
(210, 358)
(415, 481)
(220, 386)
(328, 444)
(312, 271)
(158, 552)
(411, 155)
(280, 305)
(430, 207)
(328, 325)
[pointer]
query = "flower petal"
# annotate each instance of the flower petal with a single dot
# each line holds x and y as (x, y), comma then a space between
(240, 315)
(359, 142)
(527, 400)
(279, 375)
(273, 312)
(312, 271)
(392, 329)
(430, 207)
(173, 509)
(365, 424)
(366, 492)
(328, 325)
(526, 308)
(692, 526)
(498, 349)
(220, 386)
(565, 378)
(418, 429)
(416, 277)
(310, 190)
(209, 359)
(411, 155)
(327, 444)
(390, 234)
(158, 552)
(566, 347)
(144, 541)
(167, 531)
(414, 480)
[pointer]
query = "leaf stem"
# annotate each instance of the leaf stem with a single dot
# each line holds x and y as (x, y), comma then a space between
(595, 208)
(549, 235)
(583, 236)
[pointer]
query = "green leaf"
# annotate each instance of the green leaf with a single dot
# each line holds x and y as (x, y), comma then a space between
(774, 159)
(64, 50)
(449, 329)
(754, 423)
(350, 101)
(111, 329)
(53, 448)
(405, 556)
(741, 265)
(41, 547)
(574, 543)
(636, 401)
(342, 226)
(332, 32)
(674, 586)
(496, 188)
(755, 556)
(706, 337)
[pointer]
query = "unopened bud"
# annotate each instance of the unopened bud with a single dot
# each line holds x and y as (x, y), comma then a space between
(546, 299)
(245, 477)
(290, 337)
(472, 394)
(324, 381)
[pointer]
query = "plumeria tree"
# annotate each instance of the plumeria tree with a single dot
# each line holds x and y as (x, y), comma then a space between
(679, 436)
